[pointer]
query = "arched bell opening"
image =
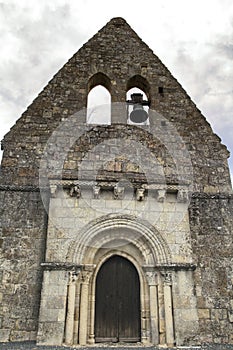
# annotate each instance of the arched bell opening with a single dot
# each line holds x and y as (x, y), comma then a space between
(99, 100)
(138, 100)
(137, 81)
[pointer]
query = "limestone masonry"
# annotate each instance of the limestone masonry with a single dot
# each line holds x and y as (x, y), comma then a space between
(119, 231)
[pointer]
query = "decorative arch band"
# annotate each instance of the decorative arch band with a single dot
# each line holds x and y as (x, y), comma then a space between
(131, 229)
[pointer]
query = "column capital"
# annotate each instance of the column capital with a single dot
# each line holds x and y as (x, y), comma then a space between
(73, 276)
(152, 278)
(167, 278)
(151, 275)
(86, 273)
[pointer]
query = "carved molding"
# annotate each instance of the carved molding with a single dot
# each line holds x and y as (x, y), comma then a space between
(111, 184)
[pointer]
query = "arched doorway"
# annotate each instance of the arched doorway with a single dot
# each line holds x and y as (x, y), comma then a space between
(117, 308)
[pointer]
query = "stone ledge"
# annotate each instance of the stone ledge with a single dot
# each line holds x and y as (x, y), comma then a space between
(171, 267)
(203, 195)
(49, 266)
(111, 184)
(15, 188)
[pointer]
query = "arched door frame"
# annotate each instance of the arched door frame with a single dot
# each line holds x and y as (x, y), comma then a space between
(144, 293)
(143, 246)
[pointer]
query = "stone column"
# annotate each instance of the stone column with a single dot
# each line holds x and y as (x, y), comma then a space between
(69, 331)
(76, 311)
(162, 331)
(84, 307)
(168, 309)
(153, 294)
(91, 339)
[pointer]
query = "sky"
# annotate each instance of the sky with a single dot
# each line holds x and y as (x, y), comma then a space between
(193, 38)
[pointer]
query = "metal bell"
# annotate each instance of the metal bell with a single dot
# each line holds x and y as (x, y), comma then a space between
(138, 115)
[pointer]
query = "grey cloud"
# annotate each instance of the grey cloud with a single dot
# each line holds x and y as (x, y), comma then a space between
(209, 79)
(39, 46)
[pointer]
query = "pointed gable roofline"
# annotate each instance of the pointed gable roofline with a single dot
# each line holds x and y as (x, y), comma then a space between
(117, 58)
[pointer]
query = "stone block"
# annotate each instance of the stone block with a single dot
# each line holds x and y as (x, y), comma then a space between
(113, 204)
(230, 316)
(50, 333)
(49, 315)
(185, 315)
(183, 284)
(4, 335)
(182, 302)
(218, 314)
(17, 336)
(204, 313)
(55, 302)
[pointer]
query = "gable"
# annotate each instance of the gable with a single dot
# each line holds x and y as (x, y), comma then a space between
(118, 59)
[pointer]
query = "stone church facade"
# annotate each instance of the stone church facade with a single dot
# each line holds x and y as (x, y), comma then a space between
(118, 231)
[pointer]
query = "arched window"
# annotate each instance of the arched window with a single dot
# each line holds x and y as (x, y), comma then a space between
(99, 99)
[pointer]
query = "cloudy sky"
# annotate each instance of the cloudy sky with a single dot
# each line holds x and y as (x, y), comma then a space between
(193, 38)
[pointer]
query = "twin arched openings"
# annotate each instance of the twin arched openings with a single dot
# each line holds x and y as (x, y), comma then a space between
(100, 92)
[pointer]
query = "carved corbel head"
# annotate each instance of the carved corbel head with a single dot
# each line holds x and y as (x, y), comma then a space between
(53, 190)
(96, 191)
(182, 196)
(140, 194)
(118, 192)
(161, 195)
(75, 191)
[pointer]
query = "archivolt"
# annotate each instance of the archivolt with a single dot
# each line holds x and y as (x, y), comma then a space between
(109, 228)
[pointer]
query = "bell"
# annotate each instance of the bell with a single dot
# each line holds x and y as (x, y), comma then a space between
(138, 115)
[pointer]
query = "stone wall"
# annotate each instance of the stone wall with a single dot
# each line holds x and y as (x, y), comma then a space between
(211, 223)
(181, 146)
(23, 234)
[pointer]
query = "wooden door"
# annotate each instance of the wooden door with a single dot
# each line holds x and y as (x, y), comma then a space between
(117, 310)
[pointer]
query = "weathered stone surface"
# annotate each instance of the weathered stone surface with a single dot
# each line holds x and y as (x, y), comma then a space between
(141, 201)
